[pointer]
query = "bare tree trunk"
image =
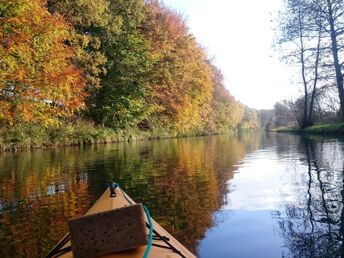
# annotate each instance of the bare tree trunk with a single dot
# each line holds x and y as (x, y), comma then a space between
(335, 51)
(303, 73)
(316, 76)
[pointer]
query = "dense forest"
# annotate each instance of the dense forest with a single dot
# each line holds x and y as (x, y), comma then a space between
(86, 70)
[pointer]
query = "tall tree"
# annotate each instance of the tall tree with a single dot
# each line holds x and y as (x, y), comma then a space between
(333, 13)
(322, 25)
(37, 79)
(226, 112)
(121, 100)
(301, 25)
(90, 20)
(181, 78)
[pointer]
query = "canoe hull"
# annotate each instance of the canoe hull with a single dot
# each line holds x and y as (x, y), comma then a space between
(105, 203)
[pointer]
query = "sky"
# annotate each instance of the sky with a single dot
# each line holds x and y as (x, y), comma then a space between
(238, 34)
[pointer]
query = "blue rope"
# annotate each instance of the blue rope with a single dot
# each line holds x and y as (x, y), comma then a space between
(150, 232)
(150, 242)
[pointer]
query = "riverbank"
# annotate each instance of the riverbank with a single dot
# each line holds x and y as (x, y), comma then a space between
(81, 132)
(326, 129)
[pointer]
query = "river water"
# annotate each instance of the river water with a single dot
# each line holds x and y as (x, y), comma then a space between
(252, 195)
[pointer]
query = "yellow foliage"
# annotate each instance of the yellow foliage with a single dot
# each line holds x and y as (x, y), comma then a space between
(37, 79)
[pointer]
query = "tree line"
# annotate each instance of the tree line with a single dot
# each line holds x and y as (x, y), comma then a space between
(311, 34)
(120, 64)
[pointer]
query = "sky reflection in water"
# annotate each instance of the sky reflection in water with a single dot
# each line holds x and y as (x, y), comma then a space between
(285, 200)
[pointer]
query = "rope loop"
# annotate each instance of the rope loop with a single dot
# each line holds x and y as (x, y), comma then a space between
(115, 185)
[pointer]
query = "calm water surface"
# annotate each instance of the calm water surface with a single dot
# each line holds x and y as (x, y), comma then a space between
(274, 195)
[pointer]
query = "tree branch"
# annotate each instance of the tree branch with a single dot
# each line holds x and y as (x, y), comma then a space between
(4, 10)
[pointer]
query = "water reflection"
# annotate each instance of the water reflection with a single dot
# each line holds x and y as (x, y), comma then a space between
(183, 181)
(280, 195)
(312, 226)
(284, 200)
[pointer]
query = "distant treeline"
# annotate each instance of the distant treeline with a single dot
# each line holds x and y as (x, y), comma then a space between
(286, 115)
(115, 63)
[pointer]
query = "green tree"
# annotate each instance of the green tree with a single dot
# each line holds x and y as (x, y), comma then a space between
(90, 20)
(121, 100)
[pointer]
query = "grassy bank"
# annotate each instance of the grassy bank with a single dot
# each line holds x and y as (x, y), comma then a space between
(285, 130)
(336, 129)
(326, 129)
(81, 132)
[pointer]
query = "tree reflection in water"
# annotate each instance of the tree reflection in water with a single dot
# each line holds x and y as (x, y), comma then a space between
(182, 181)
(313, 224)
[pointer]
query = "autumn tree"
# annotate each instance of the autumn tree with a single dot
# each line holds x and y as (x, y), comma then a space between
(121, 101)
(134, 63)
(250, 120)
(181, 78)
(37, 79)
(226, 112)
(91, 22)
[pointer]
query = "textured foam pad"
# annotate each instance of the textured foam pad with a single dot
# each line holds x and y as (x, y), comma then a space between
(106, 232)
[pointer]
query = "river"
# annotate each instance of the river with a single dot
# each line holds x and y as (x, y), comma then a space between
(252, 195)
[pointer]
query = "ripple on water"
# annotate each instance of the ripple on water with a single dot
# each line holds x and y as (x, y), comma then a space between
(222, 196)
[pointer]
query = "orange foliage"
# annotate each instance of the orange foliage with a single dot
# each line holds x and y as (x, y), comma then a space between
(181, 83)
(38, 82)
